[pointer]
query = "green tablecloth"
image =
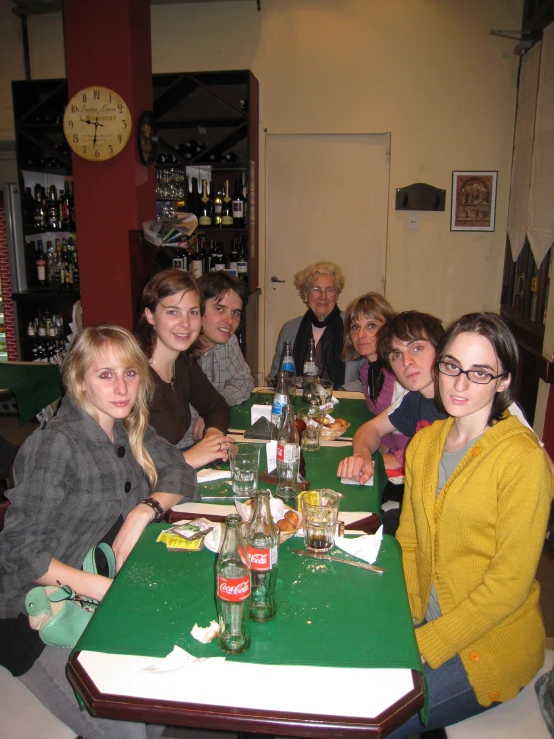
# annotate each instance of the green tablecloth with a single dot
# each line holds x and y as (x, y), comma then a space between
(321, 471)
(34, 386)
(353, 411)
(328, 614)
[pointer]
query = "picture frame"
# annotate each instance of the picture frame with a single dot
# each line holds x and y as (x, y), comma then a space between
(473, 206)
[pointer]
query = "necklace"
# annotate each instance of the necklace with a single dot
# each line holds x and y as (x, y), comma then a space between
(375, 381)
(160, 371)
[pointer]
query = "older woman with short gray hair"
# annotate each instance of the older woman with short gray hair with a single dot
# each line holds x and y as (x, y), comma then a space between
(319, 286)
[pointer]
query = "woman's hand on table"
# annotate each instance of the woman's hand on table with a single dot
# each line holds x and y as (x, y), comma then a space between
(358, 467)
(133, 526)
(212, 447)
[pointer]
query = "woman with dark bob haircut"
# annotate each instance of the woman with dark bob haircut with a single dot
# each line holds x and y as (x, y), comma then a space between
(169, 323)
(474, 516)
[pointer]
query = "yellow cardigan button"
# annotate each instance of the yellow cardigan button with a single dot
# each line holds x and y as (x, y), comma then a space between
(475, 656)
(494, 696)
(476, 451)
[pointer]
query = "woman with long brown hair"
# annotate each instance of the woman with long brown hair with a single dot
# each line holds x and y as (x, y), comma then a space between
(171, 310)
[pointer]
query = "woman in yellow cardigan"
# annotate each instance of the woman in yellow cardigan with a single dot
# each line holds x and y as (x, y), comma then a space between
(475, 511)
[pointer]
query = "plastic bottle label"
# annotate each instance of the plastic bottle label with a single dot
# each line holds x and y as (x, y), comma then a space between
(288, 364)
(279, 401)
(310, 368)
(287, 453)
(233, 589)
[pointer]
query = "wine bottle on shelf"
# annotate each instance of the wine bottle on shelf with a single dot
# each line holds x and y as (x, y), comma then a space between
(242, 263)
(194, 197)
(218, 259)
(226, 208)
(234, 255)
(71, 204)
(28, 208)
(197, 260)
(39, 217)
(205, 215)
(41, 264)
(65, 200)
(218, 206)
(50, 262)
(73, 256)
(181, 258)
(239, 206)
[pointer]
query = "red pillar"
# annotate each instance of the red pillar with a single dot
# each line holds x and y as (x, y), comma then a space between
(108, 43)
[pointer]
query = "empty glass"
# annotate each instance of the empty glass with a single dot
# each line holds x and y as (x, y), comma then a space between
(245, 462)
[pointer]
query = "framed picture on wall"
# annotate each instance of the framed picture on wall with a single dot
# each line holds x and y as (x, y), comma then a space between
(473, 201)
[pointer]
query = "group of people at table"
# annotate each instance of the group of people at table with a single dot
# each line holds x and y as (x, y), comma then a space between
(141, 412)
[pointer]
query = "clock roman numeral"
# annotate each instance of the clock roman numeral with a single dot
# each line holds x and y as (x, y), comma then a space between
(84, 97)
(96, 94)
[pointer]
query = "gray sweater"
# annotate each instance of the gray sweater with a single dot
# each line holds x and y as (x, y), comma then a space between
(72, 485)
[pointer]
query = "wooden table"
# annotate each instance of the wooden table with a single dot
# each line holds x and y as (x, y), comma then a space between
(339, 659)
(34, 384)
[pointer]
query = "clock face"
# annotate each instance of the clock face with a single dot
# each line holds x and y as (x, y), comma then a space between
(97, 123)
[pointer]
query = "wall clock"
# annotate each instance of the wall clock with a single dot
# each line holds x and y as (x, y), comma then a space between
(97, 123)
(147, 138)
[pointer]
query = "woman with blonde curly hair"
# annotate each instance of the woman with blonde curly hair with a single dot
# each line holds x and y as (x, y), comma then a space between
(97, 472)
(319, 286)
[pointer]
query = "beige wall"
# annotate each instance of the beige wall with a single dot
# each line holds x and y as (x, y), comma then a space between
(427, 71)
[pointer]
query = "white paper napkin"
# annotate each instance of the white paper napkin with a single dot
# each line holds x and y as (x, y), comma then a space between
(207, 475)
(175, 660)
(348, 481)
(364, 547)
(258, 411)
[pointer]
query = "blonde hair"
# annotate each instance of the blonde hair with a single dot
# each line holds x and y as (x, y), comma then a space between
(80, 357)
(305, 278)
(371, 305)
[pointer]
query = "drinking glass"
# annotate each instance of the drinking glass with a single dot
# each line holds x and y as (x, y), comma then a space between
(245, 462)
(320, 511)
(312, 418)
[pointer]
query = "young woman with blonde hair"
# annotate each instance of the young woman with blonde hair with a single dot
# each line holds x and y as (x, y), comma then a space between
(96, 472)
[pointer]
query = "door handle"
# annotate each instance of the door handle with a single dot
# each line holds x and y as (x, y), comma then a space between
(276, 279)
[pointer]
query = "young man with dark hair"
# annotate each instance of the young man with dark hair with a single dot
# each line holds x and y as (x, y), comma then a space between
(407, 345)
(221, 358)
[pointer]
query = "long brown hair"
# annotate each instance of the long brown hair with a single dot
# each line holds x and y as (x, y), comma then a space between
(161, 286)
(80, 356)
(370, 305)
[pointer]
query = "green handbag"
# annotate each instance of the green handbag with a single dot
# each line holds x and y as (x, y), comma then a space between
(57, 613)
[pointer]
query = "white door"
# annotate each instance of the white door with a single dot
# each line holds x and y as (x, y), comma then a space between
(326, 199)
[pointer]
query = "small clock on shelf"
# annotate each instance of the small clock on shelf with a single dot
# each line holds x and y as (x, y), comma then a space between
(97, 123)
(147, 138)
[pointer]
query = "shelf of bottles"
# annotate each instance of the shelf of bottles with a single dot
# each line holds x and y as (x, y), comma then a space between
(218, 197)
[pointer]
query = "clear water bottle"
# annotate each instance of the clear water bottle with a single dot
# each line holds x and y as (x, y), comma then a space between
(280, 401)
(262, 543)
(233, 585)
(288, 456)
(310, 371)
(287, 363)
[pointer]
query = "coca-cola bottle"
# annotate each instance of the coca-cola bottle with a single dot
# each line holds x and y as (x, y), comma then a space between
(280, 400)
(262, 543)
(288, 456)
(232, 594)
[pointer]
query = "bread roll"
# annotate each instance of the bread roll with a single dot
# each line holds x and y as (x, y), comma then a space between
(285, 525)
(292, 517)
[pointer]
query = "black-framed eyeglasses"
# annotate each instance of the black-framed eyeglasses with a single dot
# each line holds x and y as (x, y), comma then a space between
(478, 376)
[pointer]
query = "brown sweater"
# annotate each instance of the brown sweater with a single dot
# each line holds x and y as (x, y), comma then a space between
(169, 410)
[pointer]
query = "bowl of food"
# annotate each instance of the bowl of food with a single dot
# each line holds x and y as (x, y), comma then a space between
(332, 430)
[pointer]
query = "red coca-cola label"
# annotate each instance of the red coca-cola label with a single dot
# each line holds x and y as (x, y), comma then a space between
(280, 452)
(260, 559)
(233, 589)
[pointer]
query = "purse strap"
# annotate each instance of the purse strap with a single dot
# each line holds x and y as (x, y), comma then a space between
(89, 564)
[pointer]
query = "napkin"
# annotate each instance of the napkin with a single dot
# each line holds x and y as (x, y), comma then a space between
(364, 547)
(207, 475)
(214, 538)
(348, 481)
(260, 411)
(175, 660)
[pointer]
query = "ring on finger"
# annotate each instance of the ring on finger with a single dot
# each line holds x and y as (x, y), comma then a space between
(219, 447)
